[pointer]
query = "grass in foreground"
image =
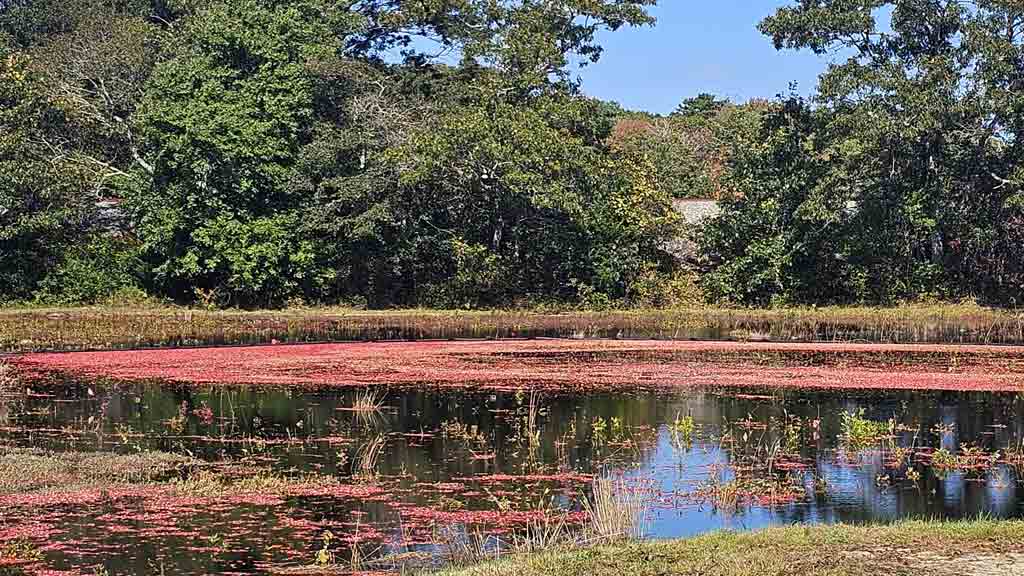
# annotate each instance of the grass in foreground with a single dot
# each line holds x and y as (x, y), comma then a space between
(24, 330)
(912, 548)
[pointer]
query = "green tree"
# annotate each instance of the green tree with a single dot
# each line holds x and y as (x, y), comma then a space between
(270, 149)
(511, 201)
(926, 124)
(43, 209)
(224, 120)
(786, 233)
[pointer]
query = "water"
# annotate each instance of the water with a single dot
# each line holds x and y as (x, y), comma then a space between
(464, 462)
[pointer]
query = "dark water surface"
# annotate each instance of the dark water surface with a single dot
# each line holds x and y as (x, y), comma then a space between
(446, 457)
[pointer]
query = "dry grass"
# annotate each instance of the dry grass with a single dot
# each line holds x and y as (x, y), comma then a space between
(913, 548)
(545, 535)
(107, 328)
(459, 546)
(368, 456)
(615, 513)
(369, 400)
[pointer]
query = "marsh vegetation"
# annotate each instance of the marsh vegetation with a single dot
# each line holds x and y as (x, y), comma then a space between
(34, 329)
(297, 480)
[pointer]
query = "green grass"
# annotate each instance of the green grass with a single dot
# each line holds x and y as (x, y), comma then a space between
(912, 548)
(28, 329)
(25, 470)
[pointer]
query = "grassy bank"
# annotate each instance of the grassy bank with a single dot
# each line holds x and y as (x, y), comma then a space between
(106, 328)
(912, 548)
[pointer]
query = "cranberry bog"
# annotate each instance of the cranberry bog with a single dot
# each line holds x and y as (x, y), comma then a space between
(555, 365)
(383, 457)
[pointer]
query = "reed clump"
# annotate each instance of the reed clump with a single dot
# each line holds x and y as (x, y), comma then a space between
(615, 513)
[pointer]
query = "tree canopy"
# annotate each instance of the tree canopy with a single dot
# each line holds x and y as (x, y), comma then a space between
(902, 178)
(443, 153)
(263, 151)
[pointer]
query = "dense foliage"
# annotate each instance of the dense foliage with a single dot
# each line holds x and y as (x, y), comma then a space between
(903, 178)
(264, 151)
(440, 153)
(692, 148)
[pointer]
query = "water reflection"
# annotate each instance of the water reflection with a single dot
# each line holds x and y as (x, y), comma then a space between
(450, 454)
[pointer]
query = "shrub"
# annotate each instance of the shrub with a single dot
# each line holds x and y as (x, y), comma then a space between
(104, 269)
(654, 289)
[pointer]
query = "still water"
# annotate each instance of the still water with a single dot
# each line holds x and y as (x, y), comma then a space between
(494, 463)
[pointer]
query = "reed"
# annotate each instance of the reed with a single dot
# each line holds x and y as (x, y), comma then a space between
(109, 328)
(615, 513)
(369, 400)
(368, 456)
(460, 546)
(544, 535)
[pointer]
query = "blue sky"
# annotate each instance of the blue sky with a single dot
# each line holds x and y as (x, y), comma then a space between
(697, 47)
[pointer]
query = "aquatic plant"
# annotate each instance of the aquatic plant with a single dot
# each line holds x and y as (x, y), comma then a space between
(21, 550)
(859, 432)
(790, 429)
(448, 504)
(749, 489)
(502, 503)
(551, 365)
(469, 434)
(681, 431)
(614, 512)
(969, 457)
(325, 556)
(532, 430)
(204, 413)
(367, 457)
(608, 431)
(369, 400)
(943, 459)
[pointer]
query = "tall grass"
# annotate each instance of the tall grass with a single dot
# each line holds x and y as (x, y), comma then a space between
(368, 456)
(461, 547)
(544, 535)
(80, 329)
(614, 512)
(369, 400)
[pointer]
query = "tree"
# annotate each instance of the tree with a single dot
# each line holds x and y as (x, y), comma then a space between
(786, 228)
(922, 143)
(295, 147)
(691, 148)
(224, 120)
(275, 149)
(513, 201)
(42, 208)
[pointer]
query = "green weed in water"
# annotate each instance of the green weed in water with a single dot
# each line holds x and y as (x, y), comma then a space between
(682, 430)
(859, 432)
